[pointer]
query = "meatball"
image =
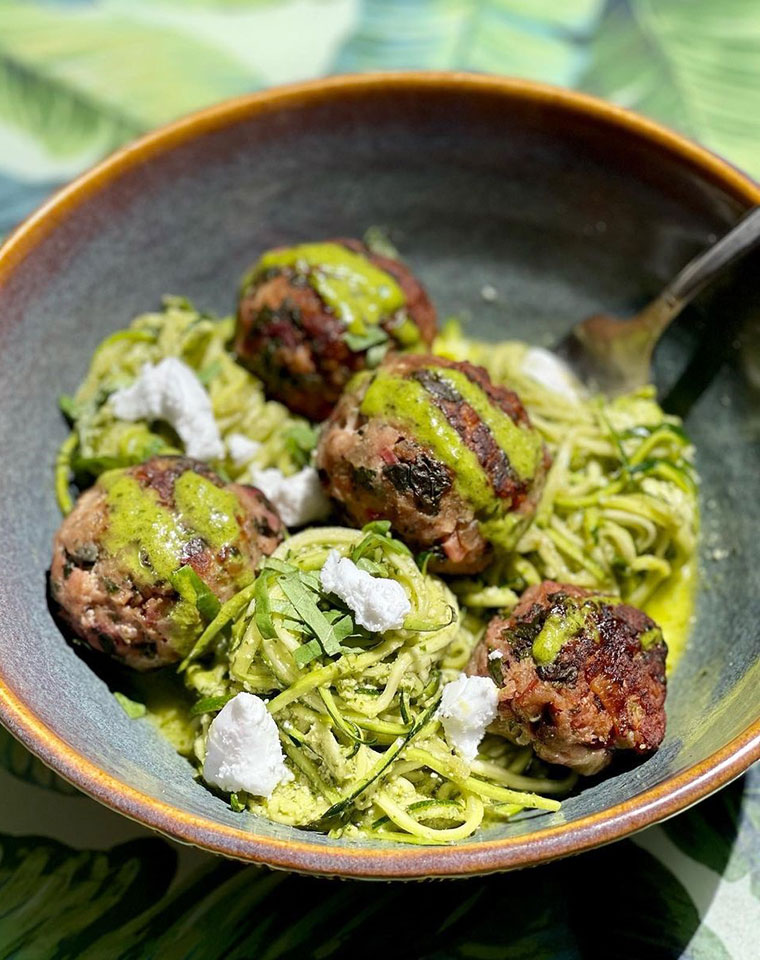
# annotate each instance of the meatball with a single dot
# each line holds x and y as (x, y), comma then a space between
(311, 316)
(580, 676)
(450, 459)
(143, 559)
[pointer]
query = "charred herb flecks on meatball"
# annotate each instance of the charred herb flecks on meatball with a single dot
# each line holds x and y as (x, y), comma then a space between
(312, 315)
(450, 459)
(580, 676)
(147, 555)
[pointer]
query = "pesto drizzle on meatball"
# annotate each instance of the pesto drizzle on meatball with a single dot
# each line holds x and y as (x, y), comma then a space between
(433, 446)
(147, 554)
(312, 315)
(580, 676)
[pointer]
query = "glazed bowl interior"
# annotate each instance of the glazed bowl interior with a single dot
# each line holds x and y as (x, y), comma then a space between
(564, 207)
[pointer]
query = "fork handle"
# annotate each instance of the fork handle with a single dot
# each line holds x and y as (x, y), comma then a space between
(703, 268)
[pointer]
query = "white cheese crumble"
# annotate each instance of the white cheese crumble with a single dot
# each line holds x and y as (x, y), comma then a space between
(495, 655)
(243, 749)
(547, 369)
(241, 449)
(468, 706)
(298, 499)
(378, 603)
(170, 391)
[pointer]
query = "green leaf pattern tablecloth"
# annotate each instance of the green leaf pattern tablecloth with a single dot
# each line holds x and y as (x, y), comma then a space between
(77, 79)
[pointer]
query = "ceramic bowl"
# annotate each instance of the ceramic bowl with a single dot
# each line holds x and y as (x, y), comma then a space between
(565, 205)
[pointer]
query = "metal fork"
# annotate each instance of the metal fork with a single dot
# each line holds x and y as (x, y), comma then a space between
(614, 354)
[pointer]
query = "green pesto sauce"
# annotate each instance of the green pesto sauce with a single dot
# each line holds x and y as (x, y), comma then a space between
(168, 706)
(186, 624)
(408, 401)
(561, 627)
(650, 638)
(406, 333)
(209, 510)
(522, 446)
(397, 398)
(672, 607)
(150, 538)
(505, 530)
(358, 292)
(557, 630)
(146, 535)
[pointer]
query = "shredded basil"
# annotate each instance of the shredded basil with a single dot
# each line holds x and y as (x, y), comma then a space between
(369, 566)
(190, 587)
(382, 527)
(263, 612)
(68, 407)
(207, 374)
(307, 652)
(377, 534)
(303, 600)
(358, 342)
(210, 704)
(494, 668)
(300, 441)
(132, 708)
(345, 628)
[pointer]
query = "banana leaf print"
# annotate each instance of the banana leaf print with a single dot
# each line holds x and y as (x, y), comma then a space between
(723, 832)
(55, 900)
(543, 39)
(80, 77)
(95, 906)
(214, 5)
(77, 80)
(17, 760)
(560, 912)
(691, 65)
(18, 199)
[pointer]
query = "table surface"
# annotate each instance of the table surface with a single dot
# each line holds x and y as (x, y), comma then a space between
(78, 78)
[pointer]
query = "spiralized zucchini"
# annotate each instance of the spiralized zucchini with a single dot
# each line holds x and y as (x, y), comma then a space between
(100, 442)
(357, 719)
(356, 712)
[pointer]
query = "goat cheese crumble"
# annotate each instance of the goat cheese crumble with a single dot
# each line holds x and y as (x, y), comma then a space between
(243, 749)
(170, 391)
(299, 499)
(468, 705)
(378, 603)
(241, 449)
(495, 655)
(547, 369)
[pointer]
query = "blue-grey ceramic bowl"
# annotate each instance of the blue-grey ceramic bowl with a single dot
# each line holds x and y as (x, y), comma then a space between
(564, 204)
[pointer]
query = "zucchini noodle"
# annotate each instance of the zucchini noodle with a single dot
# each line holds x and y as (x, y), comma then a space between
(358, 725)
(355, 711)
(102, 442)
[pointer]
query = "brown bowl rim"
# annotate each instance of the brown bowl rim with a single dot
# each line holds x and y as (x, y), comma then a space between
(393, 862)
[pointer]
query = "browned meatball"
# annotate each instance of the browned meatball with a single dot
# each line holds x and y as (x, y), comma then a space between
(580, 676)
(308, 316)
(140, 563)
(450, 459)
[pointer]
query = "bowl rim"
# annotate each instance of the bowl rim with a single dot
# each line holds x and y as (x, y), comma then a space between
(663, 800)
